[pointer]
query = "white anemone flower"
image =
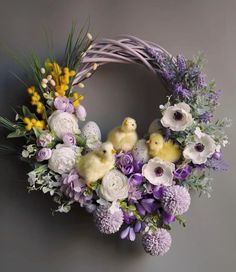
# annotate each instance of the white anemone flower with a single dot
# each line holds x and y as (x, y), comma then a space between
(201, 149)
(177, 117)
(159, 172)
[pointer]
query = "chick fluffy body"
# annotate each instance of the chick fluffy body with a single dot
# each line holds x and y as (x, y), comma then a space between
(124, 137)
(94, 165)
(165, 150)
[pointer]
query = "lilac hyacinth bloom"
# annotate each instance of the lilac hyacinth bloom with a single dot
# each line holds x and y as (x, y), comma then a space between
(106, 221)
(63, 104)
(183, 172)
(181, 63)
(69, 139)
(125, 162)
(179, 90)
(44, 154)
(133, 226)
(134, 194)
(157, 243)
(175, 200)
(74, 187)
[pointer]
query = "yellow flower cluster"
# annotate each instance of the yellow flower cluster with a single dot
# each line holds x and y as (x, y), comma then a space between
(35, 99)
(30, 123)
(77, 98)
(62, 79)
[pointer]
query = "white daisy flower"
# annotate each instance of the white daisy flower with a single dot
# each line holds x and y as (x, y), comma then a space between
(177, 117)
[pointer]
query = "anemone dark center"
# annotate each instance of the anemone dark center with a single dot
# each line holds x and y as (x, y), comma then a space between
(178, 116)
(199, 147)
(159, 171)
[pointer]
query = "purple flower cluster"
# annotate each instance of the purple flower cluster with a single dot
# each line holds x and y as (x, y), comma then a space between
(157, 243)
(106, 221)
(183, 172)
(132, 226)
(74, 187)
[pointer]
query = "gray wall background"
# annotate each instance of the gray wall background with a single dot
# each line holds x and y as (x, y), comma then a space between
(33, 240)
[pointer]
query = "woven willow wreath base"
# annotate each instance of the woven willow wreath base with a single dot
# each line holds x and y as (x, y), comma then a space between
(131, 184)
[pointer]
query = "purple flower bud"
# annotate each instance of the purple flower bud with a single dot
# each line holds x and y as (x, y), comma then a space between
(217, 155)
(137, 226)
(81, 113)
(61, 103)
(44, 154)
(157, 191)
(183, 172)
(136, 179)
(168, 218)
(124, 233)
(69, 139)
(140, 209)
(149, 205)
(132, 234)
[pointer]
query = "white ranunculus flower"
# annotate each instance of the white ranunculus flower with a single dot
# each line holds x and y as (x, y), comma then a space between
(62, 123)
(159, 172)
(201, 149)
(62, 160)
(177, 117)
(114, 186)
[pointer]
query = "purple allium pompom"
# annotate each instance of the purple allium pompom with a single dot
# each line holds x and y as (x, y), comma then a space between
(175, 199)
(157, 243)
(106, 221)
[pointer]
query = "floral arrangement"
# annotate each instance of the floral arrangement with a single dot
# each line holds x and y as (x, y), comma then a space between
(131, 185)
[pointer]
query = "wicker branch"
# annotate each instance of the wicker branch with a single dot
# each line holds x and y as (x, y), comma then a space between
(126, 49)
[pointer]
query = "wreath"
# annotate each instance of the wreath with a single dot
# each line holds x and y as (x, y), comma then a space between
(131, 185)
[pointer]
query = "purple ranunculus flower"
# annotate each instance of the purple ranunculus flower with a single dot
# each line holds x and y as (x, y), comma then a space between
(44, 154)
(61, 103)
(70, 107)
(125, 162)
(81, 113)
(183, 172)
(69, 139)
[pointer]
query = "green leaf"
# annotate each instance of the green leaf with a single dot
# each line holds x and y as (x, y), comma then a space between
(17, 133)
(28, 113)
(37, 132)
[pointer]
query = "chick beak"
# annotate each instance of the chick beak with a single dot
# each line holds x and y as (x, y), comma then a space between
(148, 142)
(126, 122)
(113, 151)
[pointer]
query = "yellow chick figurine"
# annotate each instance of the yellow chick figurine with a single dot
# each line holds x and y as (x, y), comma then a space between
(94, 165)
(124, 137)
(167, 151)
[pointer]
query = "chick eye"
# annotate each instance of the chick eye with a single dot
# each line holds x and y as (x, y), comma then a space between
(156, 143)
(104, 151)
